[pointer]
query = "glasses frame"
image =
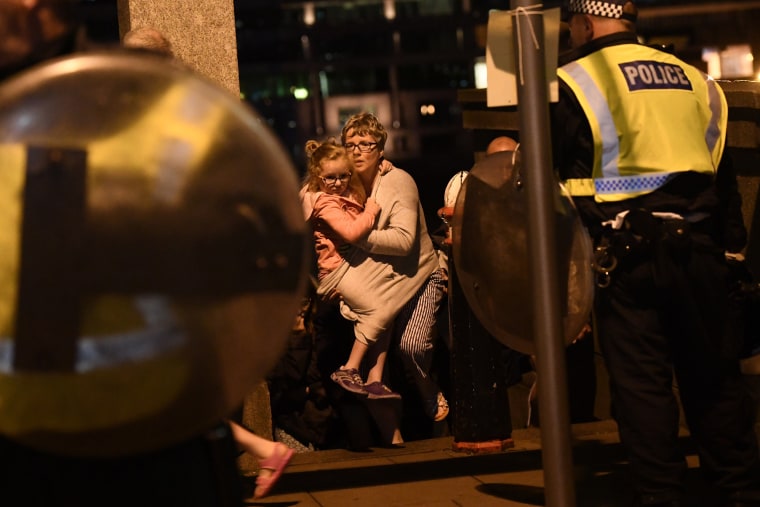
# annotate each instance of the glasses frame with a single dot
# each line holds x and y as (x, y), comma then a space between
(364, 147)
(332, 180)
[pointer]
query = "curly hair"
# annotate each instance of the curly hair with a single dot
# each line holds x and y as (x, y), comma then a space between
(365, 124)
(319, 152)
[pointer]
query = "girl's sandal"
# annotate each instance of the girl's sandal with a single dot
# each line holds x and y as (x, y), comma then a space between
(276, 463)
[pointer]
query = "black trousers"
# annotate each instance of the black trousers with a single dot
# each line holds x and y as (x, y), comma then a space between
(661, 319)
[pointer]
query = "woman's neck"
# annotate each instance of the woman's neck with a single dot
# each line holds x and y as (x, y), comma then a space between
(368, 179)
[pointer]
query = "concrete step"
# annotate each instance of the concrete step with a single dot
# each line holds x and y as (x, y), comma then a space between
(430, 473)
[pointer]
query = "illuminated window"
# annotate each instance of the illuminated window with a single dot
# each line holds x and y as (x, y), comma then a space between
(737, 62)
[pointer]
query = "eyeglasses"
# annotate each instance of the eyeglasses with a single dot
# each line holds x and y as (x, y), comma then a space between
(332, 180)
(363, 146)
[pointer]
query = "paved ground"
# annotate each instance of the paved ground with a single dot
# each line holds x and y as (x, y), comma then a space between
(430, 474)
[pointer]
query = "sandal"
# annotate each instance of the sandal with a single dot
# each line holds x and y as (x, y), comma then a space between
(276, 463)
(442, 408)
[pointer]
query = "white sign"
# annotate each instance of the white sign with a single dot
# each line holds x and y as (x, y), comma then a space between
(502, 70)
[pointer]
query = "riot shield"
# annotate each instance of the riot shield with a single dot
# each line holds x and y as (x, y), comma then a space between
(490, 250)
(154, 254)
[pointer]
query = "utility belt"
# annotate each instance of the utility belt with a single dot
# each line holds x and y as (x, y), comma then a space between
(639, 234)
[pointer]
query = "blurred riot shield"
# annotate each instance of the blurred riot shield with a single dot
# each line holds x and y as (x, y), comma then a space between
(489, 239)
(154, 254)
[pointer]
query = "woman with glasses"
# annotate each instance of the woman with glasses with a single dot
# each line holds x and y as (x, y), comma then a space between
(400, 247)
(395, 264)
(332, 199)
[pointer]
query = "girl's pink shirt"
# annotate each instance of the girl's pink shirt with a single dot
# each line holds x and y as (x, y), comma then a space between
(337, 221)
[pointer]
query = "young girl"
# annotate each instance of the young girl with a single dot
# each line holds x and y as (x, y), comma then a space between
(340, 214)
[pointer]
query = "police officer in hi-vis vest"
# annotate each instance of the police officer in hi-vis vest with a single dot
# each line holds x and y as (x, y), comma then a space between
(639, 139)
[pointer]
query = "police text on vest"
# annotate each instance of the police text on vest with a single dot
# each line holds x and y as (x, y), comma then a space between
(651, 75)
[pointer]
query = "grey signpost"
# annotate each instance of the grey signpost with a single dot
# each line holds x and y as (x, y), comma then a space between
(540, 183)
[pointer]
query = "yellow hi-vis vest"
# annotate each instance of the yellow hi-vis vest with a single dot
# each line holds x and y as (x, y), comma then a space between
(651, 116)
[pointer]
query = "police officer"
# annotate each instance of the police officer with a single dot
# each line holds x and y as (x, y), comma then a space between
(639, 142)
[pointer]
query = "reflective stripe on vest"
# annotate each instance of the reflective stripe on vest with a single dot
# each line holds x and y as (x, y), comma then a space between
(713, 134)
(617, 185)
(603, 125)
(161, 335)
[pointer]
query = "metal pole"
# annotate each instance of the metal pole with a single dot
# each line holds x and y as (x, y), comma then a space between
(540, 185)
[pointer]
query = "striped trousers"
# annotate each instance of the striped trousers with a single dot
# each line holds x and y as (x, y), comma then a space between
(415, 332)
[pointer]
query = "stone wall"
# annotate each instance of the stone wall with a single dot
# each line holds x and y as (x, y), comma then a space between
(203, 36)
(202, 33)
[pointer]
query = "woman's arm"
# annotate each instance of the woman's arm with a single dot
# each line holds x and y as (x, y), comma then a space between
(397, 228)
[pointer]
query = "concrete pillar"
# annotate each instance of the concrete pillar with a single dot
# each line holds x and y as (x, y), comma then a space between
(202, 34)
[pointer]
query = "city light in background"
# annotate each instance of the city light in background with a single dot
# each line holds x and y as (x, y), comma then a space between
(734, 62)
(305, 65)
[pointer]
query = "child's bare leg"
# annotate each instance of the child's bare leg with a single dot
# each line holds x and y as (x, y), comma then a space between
(376, 357)
(358, 351)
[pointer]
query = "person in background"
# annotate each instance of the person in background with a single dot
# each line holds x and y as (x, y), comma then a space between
(501, 143)
(497, 144)
(148, 39)
(32, 31)
(514, 366)
(639, 139)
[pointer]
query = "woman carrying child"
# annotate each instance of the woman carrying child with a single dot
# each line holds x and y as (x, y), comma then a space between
(335, 203)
